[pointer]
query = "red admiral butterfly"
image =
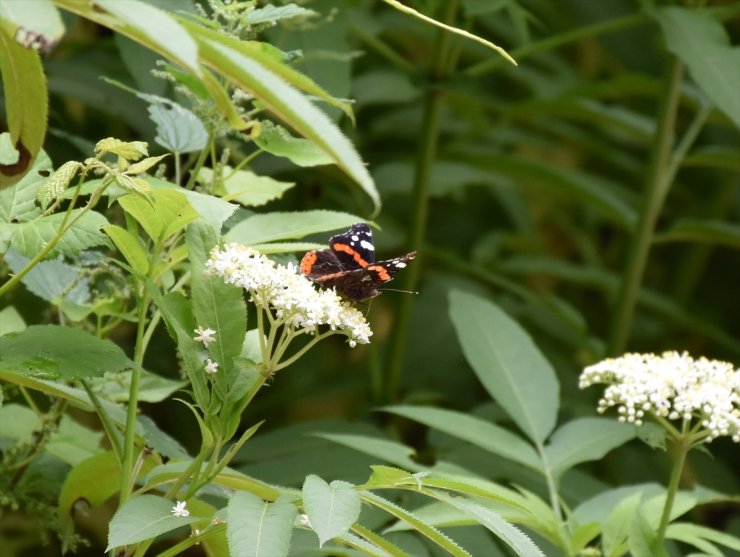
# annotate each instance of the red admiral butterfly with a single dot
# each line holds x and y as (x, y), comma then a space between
(349, 265)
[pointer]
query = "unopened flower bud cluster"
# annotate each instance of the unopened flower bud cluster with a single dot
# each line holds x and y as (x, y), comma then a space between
(672, 385)
(282, 289)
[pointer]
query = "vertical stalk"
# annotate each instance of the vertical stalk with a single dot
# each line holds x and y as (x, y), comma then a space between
(683, 445)
(657, 186)
(432, 109)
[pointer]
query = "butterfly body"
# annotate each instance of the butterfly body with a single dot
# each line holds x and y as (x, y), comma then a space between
(349, 266)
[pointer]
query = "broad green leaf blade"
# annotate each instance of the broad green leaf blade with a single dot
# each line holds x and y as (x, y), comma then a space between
(59, 353)
(10, 322)
(269, 227)
(72, 442)
(163, 215)
(286, 102)
(702, 231)
(142, 518)
(26, 102)
(213, 210)
(694, 534)
(129, 247)
(331, 508)
(517, 540)
(18, 423)
(18, 204)
(617, 525)
(277, 141)
(584, 440)
(247, 188)
(28, 238)
(507, 363)
(179, 130)
(485, 435)
(704, 46)
(270, 13)
(257, 528)
(54, 281)
(152, 387)
(389, 451)
(216, 305)
(155, 29)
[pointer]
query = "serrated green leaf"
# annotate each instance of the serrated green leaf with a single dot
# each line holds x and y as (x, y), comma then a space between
(144, 165)
(269, 227)
(28, 238)
(54, 281)
(277, 141)
(272, 13)
(129, 247)
(17, 204)
(247, 188)
(26, 102)
(129, 150)
(155, 29)
(585, 440)
(518, 541)
(331, 508)
(257, 528)
(507, 363)
(291, 106)
(142, 518)
(60, 353)
(211, 209)
(132, 184)
(703, 44)
(178, 129)
(166, 213)
(485, 435)
(53, 188)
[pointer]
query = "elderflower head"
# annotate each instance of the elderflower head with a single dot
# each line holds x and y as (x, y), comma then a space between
(673, 386)
(289, 294)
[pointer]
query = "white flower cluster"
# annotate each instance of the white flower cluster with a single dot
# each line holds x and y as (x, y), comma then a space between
(673, 386)
(292, 296)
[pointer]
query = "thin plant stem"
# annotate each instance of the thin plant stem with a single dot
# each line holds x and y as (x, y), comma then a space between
(432, 110)
(199, 163)
(683, 446)
(656, 189)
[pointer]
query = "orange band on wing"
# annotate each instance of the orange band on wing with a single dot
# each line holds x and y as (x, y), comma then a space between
(382, 273)
(307, 262)
(355, 255)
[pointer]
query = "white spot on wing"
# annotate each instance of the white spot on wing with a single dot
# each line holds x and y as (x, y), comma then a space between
(400, 264)
(355, 237)
(367, 245)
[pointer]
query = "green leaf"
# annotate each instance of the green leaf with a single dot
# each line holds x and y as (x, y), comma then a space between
(40, 17)
(617, 525)
(11, 321)
(584, 440)
(142, 518)
(389, 451)
(283, 100)
(517, 540)
(702, 231)
(211, 209)
(18, 204)
(507, 363)
(269, 227)
(155, 29)
(60, 353)
(152, 387)
(257, 528)
(26, 100)
(53, 188)
(216, 305)
(246, 187)
(53, 281)
(277, 141)
(167, 213)
(703, 44)
(480, 433)
(129, 150)
(270, 13)
(72, 442)
(643, 538)
(18, 423)
(28, 238)
(129, 247)
(331, 508)
(287, 247)
(178, 129)
(699, 536)
(144, 165)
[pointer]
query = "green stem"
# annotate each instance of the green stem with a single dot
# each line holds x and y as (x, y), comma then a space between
(432, 110)
(199, 163)
(656, 188)
(683, 445)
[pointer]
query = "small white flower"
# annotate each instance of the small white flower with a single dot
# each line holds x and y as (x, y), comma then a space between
(673, 386)
(211, 366)
(179, 509)
(206, 336)
(282, 289)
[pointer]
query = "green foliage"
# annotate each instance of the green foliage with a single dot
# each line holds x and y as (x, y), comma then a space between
(569, 206)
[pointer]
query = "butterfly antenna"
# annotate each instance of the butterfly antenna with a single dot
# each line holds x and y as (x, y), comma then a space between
(397, 290)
